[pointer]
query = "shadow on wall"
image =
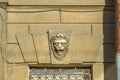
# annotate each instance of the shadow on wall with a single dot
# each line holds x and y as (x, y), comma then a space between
(109, 32)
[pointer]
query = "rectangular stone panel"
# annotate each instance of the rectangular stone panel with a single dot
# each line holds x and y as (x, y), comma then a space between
(37, 17)
(13, 53)
(60, 2)
(87, 17)
(93, 49)
(26, 45)
(42, 47)
(98, 71)
(17, 71)
(13, 29)
(77, 48)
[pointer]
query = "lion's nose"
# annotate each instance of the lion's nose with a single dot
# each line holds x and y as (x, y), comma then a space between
(59, 45)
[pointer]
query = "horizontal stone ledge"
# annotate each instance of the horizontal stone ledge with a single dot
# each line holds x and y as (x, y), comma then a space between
(59, 2)
(87, 17)
(50, 16)
(43, 8)
(63, 17)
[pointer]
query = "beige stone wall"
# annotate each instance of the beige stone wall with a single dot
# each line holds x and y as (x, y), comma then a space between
(24, 35)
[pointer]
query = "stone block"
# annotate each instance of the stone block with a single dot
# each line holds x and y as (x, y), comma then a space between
(60, 2)
(13, 29)
(42, 47)
(27, 47)
(87, 17)
(98, 71)
(17, 72)
(77, 48)
(13, 53)
(93, 49)
(37, 17)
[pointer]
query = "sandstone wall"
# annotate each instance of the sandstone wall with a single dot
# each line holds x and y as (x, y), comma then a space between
(24, 39)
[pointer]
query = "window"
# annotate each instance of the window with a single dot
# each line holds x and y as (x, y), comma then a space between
(69, 73)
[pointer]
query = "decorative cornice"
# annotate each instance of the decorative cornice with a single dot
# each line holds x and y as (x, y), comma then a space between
(59, 2)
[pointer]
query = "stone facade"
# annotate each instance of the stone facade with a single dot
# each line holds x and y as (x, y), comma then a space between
(24, 38)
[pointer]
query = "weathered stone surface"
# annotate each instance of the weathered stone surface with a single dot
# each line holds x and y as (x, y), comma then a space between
(13, 53)
(2, 40)
(19, 9)
(84, 40)
(61, 2)
(27, 47)
(1, 67)
(98, 71)
(87, 17)
(84, 29)
(77, 48)
(37, 17)
(13, 29)
(93, 35)
(42, 47)
(93, 49)
(17, 71)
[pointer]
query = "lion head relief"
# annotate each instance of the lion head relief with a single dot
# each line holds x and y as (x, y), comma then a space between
(59, 45)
